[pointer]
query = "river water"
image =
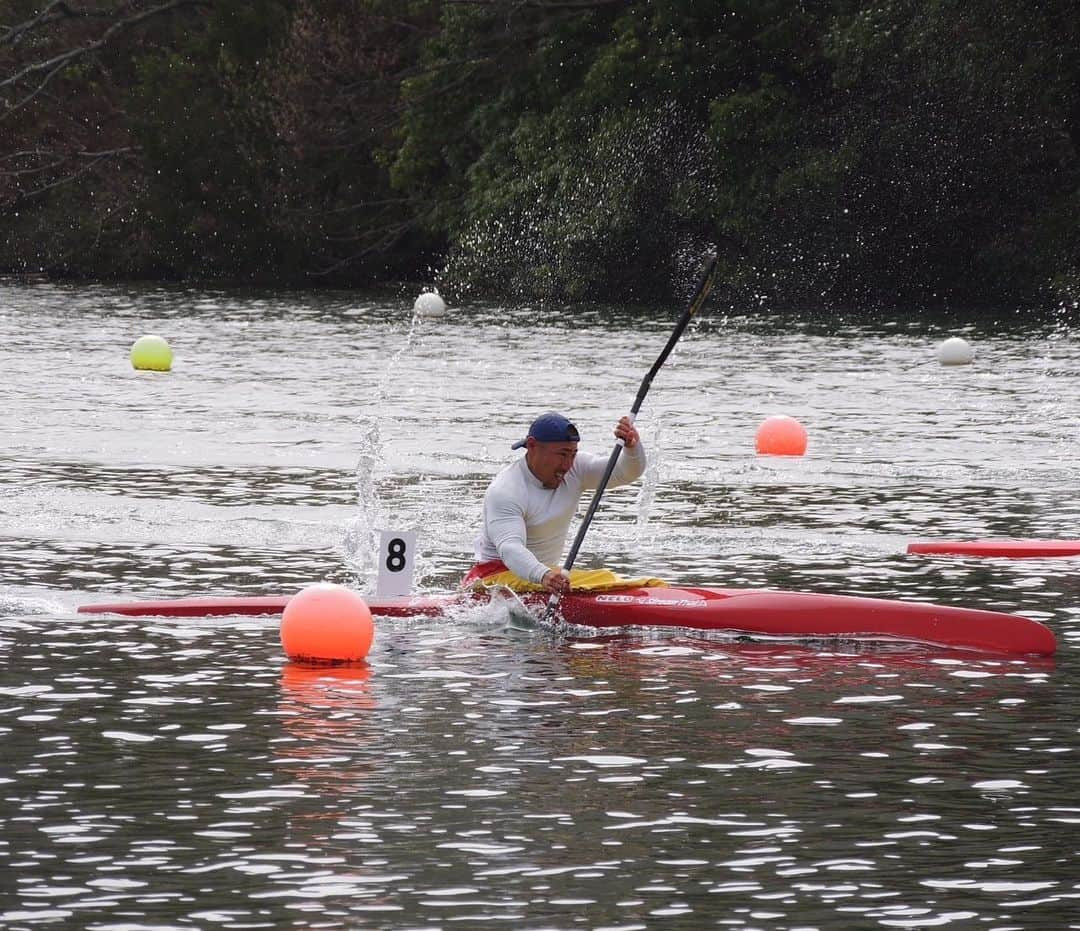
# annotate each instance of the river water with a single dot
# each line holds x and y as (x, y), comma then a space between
(161, 774)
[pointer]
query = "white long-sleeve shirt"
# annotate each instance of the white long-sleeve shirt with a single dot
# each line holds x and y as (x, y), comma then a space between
(525, 524)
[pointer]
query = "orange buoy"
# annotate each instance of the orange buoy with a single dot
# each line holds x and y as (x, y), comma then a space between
(781, 436)
(326, 624)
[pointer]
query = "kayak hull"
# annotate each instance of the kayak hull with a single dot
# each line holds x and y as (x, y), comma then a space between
(1008, 549)
(740, 612)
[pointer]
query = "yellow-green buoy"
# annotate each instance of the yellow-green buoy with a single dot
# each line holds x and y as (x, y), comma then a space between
(151, 353)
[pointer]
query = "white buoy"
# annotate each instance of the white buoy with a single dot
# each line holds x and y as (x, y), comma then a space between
(429, 304)
(955, 351)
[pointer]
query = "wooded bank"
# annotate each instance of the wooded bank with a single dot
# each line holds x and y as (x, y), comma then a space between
(903, 152)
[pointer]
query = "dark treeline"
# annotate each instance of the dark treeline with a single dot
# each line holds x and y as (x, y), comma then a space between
(900, 152)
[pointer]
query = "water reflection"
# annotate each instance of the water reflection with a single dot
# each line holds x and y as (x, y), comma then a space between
(329, 713)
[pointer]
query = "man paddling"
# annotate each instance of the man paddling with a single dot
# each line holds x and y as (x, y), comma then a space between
(530, 503)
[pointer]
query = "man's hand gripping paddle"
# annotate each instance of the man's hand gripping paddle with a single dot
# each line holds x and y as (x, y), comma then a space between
(708, 278)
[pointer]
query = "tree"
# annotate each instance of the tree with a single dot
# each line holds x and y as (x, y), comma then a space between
(906, 151)
(69, 155)
(331, 95)
(575, 158)
(941, 166)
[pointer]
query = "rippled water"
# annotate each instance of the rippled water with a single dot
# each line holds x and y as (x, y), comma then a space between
(167, 774)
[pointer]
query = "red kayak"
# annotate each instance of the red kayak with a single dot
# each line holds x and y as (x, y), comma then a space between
(1008, 549)
(741, 612)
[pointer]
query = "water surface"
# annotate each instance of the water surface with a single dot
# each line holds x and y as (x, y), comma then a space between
(479, 772)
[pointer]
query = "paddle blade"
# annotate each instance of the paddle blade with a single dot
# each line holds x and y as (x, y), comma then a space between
(705, 285)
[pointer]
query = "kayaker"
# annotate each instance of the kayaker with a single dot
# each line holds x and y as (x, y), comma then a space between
(530, 503)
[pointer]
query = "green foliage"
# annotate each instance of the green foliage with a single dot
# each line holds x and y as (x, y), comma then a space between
(620, 143)
(581, 173)
(205, 149)
(945, 122)
(905, 151)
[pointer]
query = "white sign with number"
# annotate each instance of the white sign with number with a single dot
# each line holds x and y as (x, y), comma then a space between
(397, 558)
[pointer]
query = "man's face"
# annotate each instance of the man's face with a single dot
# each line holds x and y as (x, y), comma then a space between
(550, 462)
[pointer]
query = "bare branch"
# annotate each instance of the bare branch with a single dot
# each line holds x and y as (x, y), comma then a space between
(540, 4)
(368, 204)
(53, 12)
(123, 150)
(95, 158)
(389, 236)
(53, 66)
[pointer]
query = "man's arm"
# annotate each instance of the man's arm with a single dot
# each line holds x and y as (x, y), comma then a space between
(631, 463)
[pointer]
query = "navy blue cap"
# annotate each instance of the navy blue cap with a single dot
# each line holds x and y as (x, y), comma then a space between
(550, 428)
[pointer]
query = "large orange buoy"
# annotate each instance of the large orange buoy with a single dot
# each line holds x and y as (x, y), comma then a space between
(781, 436)
(326, 623)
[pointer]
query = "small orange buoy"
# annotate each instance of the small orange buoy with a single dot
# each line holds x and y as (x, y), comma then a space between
(326, 624)
(781, 436)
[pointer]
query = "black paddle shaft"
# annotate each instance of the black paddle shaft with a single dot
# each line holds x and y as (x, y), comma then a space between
(708, 278)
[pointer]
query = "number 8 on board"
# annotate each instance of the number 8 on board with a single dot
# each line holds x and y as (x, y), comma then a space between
(397, 550)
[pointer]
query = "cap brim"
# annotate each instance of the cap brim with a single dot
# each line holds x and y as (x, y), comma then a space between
(520, 444)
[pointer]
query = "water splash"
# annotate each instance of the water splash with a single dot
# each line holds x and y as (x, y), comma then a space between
(650, 481)
(361, 537)
(637, 177)
(361, 534)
